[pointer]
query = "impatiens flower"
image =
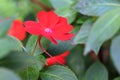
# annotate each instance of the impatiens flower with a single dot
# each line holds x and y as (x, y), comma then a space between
(57, 59)
(51, 26)
(17, 30)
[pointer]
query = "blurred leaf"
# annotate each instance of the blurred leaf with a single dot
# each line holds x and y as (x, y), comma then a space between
(82, 35)
(60, 48)
(57, 73)
(97, 71)
(68, 13)
(12, 7)
(63, 8)
(18, 60)
(5, 25)
(31, 44)
(61, 3)
(32, 72)
(8, 44)
(118, 78)
(6, 74)
(103, 29)
(96, 7)
(7, 8)
(46, 2)
(115, 52)
(76, 62)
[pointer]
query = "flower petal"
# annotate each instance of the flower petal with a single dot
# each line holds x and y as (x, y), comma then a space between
(17, 30)
(53, 19)
(43, 17)
(52, 60)
(48, 36)
(63, 36)
(63, 28)
(65, 54)
(33, 27)
(63, 20)
(52, 39)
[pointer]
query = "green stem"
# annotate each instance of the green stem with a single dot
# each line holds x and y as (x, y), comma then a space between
(94, 56)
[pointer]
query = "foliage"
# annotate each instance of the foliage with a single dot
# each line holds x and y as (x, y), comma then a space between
(94, 51)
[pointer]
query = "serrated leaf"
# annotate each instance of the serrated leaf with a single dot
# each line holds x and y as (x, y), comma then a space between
(5, 25)
(115, 52)
(96, 7)
(103, 29)
(8, 44)
(97, 71)
(82, 36)
(57, 73)
(32, 42)
(6, 74)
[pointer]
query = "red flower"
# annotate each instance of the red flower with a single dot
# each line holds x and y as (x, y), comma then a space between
(17, 30)
(50, 26)
(58, 59)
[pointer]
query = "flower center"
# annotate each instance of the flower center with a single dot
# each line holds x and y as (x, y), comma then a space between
(48, 30)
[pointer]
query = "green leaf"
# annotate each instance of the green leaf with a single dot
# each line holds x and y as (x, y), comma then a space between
(14, 7)
(6, 74)
(67, 13)
(60, 48)
(46, 2)
(82, 35)
(5, 25)
(97, 71)
(114, 52)
(76, 62)
(57, 73)
(103, 29)
(61, 3)
(32, 72)
(8, 44)
(18, 60)
(63, 8)
(32, 42)
(96, 7)
(118, 78)
(10, 7)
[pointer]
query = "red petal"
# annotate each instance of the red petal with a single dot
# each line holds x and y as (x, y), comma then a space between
(65, 54)
(53, 19)
(63, 36)
(43, 17)
(62, 28)
(33, 27)
(52, 61)
(17, 30)
(60, 58)
(51, 39)
(63, 20)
